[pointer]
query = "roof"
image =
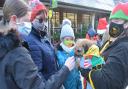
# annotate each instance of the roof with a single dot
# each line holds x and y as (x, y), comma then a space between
(97, 4)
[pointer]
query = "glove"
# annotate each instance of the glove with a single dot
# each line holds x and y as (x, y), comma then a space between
(70, 63)
(85, 64)
(85, 67)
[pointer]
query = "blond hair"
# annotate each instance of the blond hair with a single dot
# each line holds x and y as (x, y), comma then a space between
(14, 7)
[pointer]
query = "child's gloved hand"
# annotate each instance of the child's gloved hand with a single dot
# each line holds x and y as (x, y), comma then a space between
(70, 63)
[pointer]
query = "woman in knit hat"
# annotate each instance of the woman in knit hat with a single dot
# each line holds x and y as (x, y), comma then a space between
(18, 70)
(41, 49)
(113, 75)
(64, 50)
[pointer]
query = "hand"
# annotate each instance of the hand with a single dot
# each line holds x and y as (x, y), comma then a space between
(85, 64)
(70, 63)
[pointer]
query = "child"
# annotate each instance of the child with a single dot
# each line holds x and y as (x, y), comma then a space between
(64, 50)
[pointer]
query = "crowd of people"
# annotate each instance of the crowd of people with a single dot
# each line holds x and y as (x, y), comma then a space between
(28, 60)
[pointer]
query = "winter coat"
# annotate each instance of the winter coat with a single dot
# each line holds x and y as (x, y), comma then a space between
(114, 74)
(18, 71)
(73, 81)
(42, 53)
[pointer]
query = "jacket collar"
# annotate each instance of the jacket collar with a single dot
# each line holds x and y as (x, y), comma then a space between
(118, 41)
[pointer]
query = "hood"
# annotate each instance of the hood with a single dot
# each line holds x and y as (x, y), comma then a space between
(8, 42)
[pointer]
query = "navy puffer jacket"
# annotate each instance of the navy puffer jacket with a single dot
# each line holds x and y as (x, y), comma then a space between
(42, 53)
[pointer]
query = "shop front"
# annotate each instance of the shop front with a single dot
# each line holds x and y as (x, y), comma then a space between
(80, 12)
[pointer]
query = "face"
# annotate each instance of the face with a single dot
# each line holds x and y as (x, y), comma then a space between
(117, 21)
(68, 41)
(14, 21)
(22, 24)
(116, 27)
(120, 21)
(42, 17)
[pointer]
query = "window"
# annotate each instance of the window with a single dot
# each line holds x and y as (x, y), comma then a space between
(86, 19)
(72, 17)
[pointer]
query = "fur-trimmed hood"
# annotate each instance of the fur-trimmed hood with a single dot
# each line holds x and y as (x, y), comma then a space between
(9, 41)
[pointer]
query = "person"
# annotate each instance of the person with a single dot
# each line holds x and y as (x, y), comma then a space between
(91, 33)
(41, 49)
(113, 75)
(18, 70)
(64, 50)
(106, 40)
(23, 28)
(102, 25)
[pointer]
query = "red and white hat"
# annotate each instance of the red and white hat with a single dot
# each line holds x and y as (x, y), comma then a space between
(102, 25)
(38, 7)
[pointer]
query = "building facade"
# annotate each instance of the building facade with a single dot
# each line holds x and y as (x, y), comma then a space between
(80, 12)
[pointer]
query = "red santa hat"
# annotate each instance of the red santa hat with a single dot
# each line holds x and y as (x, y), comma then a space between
(102, 25)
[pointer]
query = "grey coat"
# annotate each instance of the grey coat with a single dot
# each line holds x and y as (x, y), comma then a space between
(18, 71)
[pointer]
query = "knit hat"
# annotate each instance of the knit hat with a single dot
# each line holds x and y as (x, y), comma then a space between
(66, 21)
(66, 31)
(91, 31)
(14, 7)
(102, 26)
(120, 11)
(32, 3)
(39, 7)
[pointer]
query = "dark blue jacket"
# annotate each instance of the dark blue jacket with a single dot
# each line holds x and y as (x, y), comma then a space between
(42, 53)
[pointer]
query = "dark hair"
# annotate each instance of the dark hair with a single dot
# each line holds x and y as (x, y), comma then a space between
(40, 12)
(10, 40)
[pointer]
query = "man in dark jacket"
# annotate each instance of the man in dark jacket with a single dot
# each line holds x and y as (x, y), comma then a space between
(114, 74)
(18, 71)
